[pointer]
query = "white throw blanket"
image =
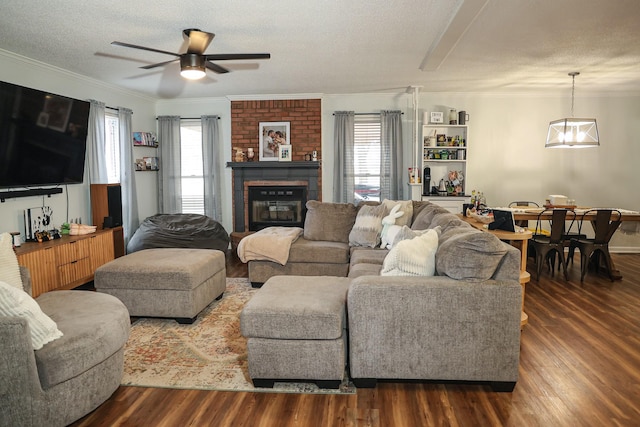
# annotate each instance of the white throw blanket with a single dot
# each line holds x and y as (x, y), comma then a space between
(270, 244)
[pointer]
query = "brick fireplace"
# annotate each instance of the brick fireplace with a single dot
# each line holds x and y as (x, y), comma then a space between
(278, 180)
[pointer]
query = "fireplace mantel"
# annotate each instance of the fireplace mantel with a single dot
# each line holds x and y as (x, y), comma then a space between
(265, 172)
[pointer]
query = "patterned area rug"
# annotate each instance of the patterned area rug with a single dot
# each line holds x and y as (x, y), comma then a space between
(209, 354)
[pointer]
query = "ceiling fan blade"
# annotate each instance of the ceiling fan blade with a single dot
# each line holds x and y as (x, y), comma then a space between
(198, 40)
(228, 56)
(159, 64)
(143, 48)
(215, 68)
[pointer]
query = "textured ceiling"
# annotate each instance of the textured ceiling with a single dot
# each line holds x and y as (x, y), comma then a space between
(330, 46)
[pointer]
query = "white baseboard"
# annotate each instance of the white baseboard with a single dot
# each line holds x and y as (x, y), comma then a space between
(624, 249)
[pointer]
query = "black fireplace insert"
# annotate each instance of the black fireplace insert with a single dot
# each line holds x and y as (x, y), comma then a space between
(282, 206)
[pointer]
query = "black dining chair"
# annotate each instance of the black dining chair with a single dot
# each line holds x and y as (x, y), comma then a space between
(547, 247)
(596, 250)
(523, 204)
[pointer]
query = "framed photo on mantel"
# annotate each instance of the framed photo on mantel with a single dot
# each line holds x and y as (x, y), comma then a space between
(272, 136)
(284, 153)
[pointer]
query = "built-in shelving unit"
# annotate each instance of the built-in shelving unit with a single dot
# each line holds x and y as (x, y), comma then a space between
(444, 150)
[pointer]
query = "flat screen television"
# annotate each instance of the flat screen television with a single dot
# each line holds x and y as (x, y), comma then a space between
(43, 137)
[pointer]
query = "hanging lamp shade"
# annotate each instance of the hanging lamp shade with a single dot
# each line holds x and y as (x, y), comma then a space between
(573, 132)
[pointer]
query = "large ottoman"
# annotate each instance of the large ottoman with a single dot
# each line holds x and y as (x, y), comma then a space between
(296, 330)
(167, 282)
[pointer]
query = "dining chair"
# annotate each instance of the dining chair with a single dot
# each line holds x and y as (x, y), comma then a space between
(523, 204)
(547, 247)
(606, 223)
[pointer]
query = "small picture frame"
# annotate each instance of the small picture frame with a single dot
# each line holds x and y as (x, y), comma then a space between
(284, 153)
(437, 117)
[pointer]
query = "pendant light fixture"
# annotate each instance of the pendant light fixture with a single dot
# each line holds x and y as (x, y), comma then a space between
(572, 132)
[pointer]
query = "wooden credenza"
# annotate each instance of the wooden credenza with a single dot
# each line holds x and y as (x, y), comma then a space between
(66, 262)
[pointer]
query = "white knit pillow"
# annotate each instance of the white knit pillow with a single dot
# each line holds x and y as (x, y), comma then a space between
(412, 257)
(9, 269)
(16, 302)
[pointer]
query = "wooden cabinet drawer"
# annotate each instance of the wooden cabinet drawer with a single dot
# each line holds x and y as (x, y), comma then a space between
(72, 251)
(74, 271)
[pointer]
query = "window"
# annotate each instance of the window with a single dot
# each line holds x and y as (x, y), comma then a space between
(367, 149)
(112, 147)
(191, 166)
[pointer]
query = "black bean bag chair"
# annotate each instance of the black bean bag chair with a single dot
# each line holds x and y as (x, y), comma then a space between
(179, 231)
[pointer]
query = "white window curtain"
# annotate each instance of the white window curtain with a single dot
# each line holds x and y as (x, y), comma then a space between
(343, 173)
(130, 219)
(391, 157)
(212, 171)
(96, 145)
(169, 185)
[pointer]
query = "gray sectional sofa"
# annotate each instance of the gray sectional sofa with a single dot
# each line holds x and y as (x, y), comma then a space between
(460, 324)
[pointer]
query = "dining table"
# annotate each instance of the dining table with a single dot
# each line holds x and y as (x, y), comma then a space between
(582, 214)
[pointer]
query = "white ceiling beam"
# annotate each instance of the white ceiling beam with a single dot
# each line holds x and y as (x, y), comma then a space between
(460, 23)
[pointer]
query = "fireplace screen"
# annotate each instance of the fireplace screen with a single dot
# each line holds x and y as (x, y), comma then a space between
(276, 206)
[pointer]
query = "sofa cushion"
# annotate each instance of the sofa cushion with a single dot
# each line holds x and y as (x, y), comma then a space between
(16, 302)
(406, 233)
(9, 269)
(297, 307)
(364, 269)
(367, 227)
(329, 221)
(406, 206)
(361, 255)
(95, 326)
(315, 251)
(468, 254)
(423, 215)
(412, 257)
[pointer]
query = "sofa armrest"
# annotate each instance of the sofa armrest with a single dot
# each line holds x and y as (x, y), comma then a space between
(434, 328)
(20, 387)
(25, 275)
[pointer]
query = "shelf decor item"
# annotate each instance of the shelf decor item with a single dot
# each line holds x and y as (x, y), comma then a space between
(437, 117)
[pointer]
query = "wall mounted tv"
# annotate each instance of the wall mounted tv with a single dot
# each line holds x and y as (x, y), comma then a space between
(43, 137)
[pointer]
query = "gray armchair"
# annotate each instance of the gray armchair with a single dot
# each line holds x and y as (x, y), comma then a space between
(71, 376)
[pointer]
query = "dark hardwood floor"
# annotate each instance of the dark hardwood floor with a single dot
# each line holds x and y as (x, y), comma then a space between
(579, 366)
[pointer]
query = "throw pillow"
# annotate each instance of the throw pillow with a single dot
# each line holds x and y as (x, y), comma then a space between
(413, 257)
(368, 225)
(16, 302)
(406, 206)
(329, 221)
(470, 255)
(9, 269)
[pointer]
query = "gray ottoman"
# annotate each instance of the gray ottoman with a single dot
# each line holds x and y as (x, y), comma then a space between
(167, 282)
(295, 327)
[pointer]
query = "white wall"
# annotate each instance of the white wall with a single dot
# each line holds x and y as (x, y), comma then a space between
(25, 72)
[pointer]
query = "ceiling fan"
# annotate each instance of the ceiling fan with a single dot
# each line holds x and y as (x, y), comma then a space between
(194, 61)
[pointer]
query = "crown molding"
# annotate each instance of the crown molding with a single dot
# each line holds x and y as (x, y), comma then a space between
(29, 62)
(271, 97)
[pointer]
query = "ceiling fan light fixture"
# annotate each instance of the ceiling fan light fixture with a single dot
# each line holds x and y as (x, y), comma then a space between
(192, 66)
(572, 132)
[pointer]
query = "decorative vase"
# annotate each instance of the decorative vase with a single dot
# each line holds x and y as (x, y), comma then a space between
(453, 117)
